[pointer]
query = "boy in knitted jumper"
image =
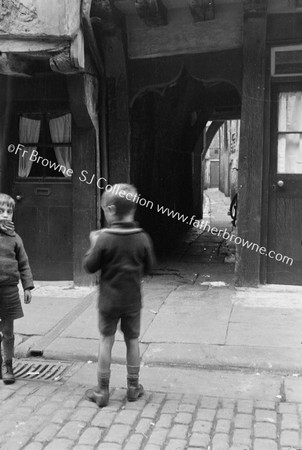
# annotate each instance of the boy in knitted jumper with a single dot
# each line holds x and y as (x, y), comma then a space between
(124, 253)
(13, 266)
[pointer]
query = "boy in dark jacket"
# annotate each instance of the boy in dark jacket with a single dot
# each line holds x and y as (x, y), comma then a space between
(123, 252)
(13, 265)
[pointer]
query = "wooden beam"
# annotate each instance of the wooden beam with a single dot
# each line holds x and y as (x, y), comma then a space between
(72, 58)
(62, 63)
(250, 175)
(152, 12)
(105, 14)
(12, 65)
(83, 93)
(84, 150)
(254, 8)
(102, 9)
(202, 10)
(117, 108)
(210, 134)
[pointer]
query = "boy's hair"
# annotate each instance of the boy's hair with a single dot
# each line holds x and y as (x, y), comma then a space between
(122, 196)
(7, 200)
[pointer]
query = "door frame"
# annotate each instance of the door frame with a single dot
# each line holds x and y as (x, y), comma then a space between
(274, 86)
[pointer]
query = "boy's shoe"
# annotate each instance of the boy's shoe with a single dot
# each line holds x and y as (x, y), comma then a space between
(8, 376)
(100, 396)
(134, 392)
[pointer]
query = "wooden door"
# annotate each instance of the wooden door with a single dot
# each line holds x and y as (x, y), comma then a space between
(43, 220)
(43, 215)
(285, 207)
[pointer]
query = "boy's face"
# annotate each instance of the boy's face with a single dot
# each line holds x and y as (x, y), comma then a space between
(6, 212)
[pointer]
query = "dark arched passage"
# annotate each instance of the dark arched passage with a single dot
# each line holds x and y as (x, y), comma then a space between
(167, 145)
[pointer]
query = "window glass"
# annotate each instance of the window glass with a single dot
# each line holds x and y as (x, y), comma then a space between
(290, 132)
(47, 145)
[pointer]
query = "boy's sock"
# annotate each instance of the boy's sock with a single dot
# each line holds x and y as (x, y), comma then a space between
(100, 394)
(135, 390)
(8, 376)
(8, 345)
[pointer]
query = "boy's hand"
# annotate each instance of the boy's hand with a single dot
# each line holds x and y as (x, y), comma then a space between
(93, 237)
(27, 296)
(7, 225)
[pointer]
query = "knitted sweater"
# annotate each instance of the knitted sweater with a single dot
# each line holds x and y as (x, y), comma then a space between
(123, 253)
(14, 261)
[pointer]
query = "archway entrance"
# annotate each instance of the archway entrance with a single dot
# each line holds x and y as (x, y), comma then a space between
(169, 141)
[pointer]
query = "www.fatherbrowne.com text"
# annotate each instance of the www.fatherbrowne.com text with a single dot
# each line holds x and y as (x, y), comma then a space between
(192, 221)
(103, 184)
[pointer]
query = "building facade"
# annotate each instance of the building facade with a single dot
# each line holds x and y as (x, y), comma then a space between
(122, 90)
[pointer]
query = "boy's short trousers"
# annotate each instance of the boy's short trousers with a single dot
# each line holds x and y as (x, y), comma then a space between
(10, 304)
(130, 323)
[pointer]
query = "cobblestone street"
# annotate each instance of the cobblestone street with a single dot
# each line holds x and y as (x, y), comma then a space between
(39, 415)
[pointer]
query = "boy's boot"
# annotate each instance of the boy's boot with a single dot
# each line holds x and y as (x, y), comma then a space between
(100, 394)
(135, 390)
(8, 376)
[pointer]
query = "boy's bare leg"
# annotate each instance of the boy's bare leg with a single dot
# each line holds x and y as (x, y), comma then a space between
(105, 349)
(135, 389)
(133, 358)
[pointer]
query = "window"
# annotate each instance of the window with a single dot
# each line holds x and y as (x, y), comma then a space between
(290, 132)
(47, 142)
(286, 61)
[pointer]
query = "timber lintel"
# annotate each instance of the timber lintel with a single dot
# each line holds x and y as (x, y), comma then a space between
(62, 62)
(102, 8)
(105, 14)
(12, 65)
(254, 8)
(152, 12)
(202, 10)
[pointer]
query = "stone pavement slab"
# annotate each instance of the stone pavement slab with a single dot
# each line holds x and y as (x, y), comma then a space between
(86, 325)
(266, 318)
(265, 327)
(184, 323)
(192, 316)
(224, 356)
(43, 313)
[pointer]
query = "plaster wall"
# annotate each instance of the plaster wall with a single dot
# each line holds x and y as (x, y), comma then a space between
(39, 18)
(183, 36)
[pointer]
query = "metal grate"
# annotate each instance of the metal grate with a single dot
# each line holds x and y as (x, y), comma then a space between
(40, 370)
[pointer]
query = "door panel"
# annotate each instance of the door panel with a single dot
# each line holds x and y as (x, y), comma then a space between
(285, 210)
(43, 218)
